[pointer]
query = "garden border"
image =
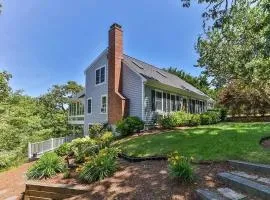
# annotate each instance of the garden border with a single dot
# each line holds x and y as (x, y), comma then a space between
(140, 159)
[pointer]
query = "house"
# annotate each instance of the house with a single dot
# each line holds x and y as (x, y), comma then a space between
(118, 85)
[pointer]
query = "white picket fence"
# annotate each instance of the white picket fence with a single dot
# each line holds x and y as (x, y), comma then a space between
(39, 148)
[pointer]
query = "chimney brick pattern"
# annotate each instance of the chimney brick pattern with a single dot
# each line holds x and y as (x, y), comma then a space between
(117, 104)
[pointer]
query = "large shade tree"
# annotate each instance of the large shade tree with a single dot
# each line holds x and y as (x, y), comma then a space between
(235, 47)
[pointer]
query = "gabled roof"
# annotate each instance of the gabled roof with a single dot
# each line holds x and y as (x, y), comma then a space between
(151, 72)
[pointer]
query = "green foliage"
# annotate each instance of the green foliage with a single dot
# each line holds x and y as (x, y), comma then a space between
(95, 130)
(100, 166)
(168, 121)
(47, 166)
(26, 119)
(83, 147)
(64, 149)
(179, 167)
(178, 119)
(10, 158)
(129, 125)
(210, 117)
(105, 139)
(238, 49)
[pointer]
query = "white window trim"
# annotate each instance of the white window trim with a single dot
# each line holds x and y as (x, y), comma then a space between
(106, 104)
(105, 75)
(91, 106)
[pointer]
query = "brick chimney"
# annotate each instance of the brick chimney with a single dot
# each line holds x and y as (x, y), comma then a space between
(117, 104)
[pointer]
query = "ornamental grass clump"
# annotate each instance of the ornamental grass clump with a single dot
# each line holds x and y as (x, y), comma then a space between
(100, 166)
(180, 167)
(47, 166)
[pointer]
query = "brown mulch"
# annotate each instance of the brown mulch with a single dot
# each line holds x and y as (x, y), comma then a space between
(12, 182)
(147, 180)
(266, 143)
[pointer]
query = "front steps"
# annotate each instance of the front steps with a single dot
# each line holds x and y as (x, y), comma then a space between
(247, 184)
(39, 191)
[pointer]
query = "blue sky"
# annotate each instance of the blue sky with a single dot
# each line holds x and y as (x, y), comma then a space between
(50, 42)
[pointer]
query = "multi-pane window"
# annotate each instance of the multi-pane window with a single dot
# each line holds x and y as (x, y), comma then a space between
(100, 75)
(76, 108)
(103, 108)
(89, 105)
(164, 101)
(173, 103)
(158, 101)
(168, 102)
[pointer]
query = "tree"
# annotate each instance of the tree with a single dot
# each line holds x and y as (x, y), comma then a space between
(26, 119)
(4, 87)
(239, 49)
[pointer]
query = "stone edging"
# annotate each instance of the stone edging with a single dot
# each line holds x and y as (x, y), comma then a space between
(139, 159)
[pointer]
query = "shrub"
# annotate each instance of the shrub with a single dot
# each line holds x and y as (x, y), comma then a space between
(83, 147)
(129, 125)
(10, 158)
(105, 139)
(96, 130)
(100, 166)
(63, 149)
(223, 114)
(183, 118)
(168, 121)
(194, 120)
(205, 119)
(180, 167)
(48, 165)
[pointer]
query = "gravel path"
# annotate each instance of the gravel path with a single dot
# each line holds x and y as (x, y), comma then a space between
(12, 182)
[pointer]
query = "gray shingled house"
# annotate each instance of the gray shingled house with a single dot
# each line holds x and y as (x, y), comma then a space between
(118, 85)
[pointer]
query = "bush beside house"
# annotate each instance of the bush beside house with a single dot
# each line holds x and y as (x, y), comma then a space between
(129, 125)
(178, 119)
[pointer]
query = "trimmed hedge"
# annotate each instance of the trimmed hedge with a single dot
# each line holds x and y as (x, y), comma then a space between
(178, 119)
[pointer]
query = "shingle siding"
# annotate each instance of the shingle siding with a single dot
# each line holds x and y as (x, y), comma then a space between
(132, 89)
(95, 92)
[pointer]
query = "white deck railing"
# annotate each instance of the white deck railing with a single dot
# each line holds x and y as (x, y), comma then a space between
(39, 148)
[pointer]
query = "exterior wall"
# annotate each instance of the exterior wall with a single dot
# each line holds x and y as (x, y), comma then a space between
(95, 92)
(149, 115)
(133, 91)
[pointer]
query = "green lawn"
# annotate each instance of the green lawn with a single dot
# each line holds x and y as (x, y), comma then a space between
(216, 142)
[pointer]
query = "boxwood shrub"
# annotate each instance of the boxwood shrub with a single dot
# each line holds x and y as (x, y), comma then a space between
(129, 125)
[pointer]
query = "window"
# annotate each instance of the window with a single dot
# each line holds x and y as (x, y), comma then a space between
(173, 104)
(164, 101)
(100, 75)
(168, 107)
(89, 105)
(158, 101)
(103, 108)
(178, 103)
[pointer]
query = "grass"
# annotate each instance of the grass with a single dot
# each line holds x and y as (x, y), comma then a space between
(215, 142)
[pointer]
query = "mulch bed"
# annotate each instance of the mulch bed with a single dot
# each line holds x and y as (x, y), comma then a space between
(146, 180)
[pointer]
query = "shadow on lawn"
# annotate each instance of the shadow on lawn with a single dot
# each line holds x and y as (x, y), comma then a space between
(150, 180)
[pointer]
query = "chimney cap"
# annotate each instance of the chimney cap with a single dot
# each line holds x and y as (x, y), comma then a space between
(115, 25)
